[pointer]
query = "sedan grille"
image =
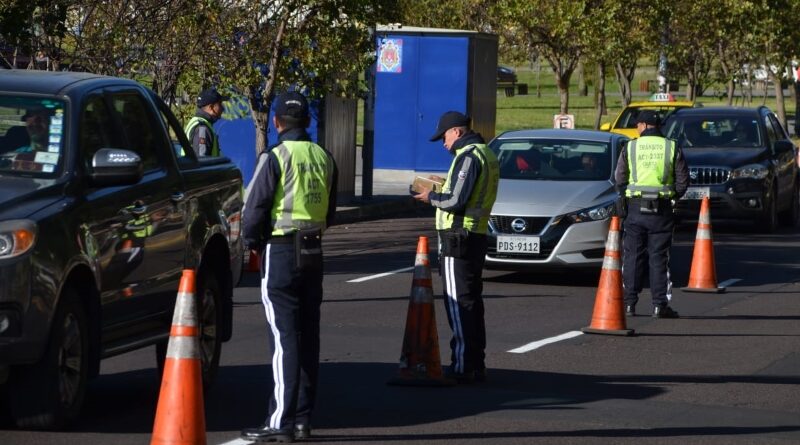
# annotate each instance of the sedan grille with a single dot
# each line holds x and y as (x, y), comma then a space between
(709, 175)
(533, 225)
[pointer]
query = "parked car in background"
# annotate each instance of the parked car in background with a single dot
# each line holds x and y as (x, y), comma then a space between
(506, 75)
(554, 200)
(743, 160)
(662, 103)
(99, 216)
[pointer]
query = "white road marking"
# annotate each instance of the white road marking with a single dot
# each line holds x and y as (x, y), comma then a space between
(727, 283)
(238, 442)
(538, 344)
(381, 275)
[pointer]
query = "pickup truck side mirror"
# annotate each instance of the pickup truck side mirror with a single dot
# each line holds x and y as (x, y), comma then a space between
(115, 166)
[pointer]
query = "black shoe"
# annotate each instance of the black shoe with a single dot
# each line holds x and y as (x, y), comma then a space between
(630, 310)
(302, 432)
(664, 312)
(266, 434)
(459, 377)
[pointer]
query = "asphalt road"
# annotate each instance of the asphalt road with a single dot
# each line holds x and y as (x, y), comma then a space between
(727, 372)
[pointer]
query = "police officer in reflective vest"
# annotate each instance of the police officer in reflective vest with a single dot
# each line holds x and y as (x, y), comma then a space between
(462, 220)
(200, 128)
(290, 202)
(651, 173)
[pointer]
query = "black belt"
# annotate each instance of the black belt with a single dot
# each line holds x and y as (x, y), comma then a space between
(281, 239)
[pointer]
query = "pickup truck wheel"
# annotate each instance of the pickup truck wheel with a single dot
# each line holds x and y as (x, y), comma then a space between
(209, 297)
(790, 216)
(49, 394)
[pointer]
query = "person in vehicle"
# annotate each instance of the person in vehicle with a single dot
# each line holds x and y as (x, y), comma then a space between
(37, 123)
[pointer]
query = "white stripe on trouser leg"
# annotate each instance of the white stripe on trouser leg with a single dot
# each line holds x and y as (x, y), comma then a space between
(669, 281)
(277, 356)
(455, 313)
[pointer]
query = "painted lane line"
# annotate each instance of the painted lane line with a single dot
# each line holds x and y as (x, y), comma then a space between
(538, 344)
(381, 275)
(238, 442)
(727, 283)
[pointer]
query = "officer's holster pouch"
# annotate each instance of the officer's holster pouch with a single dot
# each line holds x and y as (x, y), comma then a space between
(454, 243)
(649, 204)
(307, 248)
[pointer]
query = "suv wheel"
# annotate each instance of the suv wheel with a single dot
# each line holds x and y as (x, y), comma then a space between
(790, 216)
(49, 394)
(209, 317)
(768, 222)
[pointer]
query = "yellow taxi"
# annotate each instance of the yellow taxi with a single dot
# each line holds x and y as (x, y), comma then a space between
(662, 103)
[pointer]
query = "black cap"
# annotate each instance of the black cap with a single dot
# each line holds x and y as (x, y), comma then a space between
(449, 120)
(29, 112)
(292, 105)
(210, 96)
(648, 117)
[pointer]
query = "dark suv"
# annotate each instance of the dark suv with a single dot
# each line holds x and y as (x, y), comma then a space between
(742, 159)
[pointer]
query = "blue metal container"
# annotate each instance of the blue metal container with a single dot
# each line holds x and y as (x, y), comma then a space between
(421, 73)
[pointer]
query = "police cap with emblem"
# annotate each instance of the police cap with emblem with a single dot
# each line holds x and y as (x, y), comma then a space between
(210, 96)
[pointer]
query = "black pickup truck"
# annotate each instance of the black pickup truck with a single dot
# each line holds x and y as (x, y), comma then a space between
(102, 205)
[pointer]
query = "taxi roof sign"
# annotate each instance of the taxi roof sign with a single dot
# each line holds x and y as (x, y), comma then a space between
(662, 97)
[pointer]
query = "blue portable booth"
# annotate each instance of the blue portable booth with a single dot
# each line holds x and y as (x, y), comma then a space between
(421, 73)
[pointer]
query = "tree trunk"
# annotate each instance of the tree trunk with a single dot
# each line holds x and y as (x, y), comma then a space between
(563, 91)
(601, 94)
(260, 116)
(730, 91)
(780, 106)
(796, 86)
(583, 88)
(624, 82)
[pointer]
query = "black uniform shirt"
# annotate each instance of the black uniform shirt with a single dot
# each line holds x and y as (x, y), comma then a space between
(202, 136)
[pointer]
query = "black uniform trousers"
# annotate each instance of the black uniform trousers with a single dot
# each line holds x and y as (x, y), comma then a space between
(646, 243)
(292, 300)
(462, 281)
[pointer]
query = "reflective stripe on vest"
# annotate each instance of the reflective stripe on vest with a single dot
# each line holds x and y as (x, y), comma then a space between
(650, 164)
(193, 123)
(475, 216)
(301, 198)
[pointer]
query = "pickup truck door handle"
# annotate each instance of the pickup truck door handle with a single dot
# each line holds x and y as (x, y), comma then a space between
(178, 196)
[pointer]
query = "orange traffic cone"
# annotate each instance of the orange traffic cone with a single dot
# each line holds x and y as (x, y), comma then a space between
(180, 417)
(419, 360)
(703, 274)
(608, 316)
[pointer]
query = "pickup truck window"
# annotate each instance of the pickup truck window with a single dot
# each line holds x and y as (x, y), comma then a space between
(138, 128)
(96, 129)
(31, 135)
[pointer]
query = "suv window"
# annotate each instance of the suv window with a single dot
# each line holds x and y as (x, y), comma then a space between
(779, 130)
(772, 136)
(138, 128)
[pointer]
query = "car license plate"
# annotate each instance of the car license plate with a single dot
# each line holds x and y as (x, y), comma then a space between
(517, 244)
(697, 193)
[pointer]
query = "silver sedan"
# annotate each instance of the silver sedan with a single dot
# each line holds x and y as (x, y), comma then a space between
(554, 200)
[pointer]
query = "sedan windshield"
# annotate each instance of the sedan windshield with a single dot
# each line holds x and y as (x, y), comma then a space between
(714, 131)
(553, 159)
(31, 135)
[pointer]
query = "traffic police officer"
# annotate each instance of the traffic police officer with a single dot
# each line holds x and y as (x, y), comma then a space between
(462, 220)
(651, 174)
(200, 128)
(291, 200)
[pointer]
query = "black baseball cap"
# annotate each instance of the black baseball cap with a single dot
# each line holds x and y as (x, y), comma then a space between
(449, 120)
(210, 96)
(292, 105)
(648, 117)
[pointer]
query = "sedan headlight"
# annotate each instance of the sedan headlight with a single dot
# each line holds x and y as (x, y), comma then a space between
(16, 237)
(754, 171)
(597, 213)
